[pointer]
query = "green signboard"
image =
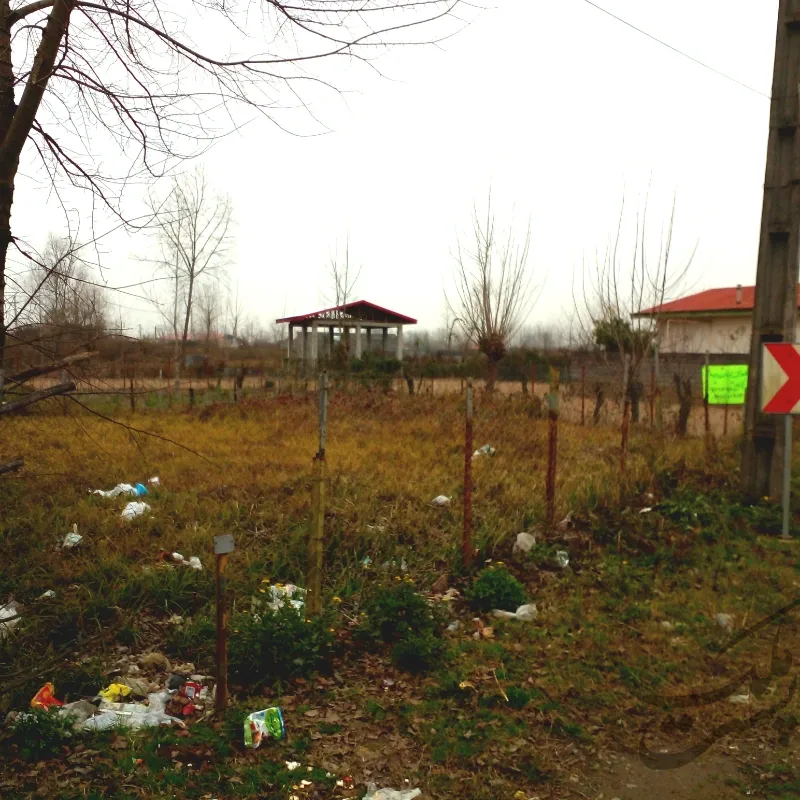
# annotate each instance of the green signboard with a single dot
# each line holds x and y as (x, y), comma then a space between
(727, 384)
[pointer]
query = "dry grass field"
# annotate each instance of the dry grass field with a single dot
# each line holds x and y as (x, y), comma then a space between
(556, 707)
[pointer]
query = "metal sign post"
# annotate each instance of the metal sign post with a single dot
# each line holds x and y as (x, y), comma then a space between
(780, 394)
(222, 546)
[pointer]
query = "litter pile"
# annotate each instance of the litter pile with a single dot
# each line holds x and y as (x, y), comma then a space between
(148, 693)
(134, 508)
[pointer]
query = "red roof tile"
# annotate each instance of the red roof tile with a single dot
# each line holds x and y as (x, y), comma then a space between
(712, 300)
(351, 308)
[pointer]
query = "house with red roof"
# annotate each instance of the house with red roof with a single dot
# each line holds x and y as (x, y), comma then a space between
(713, 321)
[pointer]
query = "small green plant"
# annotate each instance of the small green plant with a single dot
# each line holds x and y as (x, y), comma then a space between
(419, 652)
(496, 587)
(278, 645)
(517, 697)
(395, 612)
(41, 733)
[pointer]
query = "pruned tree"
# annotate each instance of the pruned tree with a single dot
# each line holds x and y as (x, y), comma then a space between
(343, 278)
(492, 293)
(105, 91)
(209, 310)
(621, 292)
(192, 227)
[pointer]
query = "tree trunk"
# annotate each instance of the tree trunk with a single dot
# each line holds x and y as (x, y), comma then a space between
(491, 375)
(599, 400)
(635, 390)
(684, 392)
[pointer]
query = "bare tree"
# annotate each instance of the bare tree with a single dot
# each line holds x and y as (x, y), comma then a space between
(343, 279)
(492, 288)
(621, 293)
(107, 90)
(192, 228)
(235, 312)
(209, 310)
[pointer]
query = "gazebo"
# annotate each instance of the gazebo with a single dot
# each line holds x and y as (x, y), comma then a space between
(355, 318)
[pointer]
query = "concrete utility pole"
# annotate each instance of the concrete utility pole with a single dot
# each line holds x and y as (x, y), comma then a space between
(775, 313)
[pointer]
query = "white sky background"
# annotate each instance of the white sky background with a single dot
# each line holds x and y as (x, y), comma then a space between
(558, 107)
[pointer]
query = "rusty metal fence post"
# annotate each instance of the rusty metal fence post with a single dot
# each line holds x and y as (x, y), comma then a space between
(552, 449)
(317, 530)
(623, 456)
(466, 541)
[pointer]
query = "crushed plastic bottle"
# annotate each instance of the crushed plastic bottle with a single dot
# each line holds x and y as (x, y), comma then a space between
(562, 558)
(374, 793)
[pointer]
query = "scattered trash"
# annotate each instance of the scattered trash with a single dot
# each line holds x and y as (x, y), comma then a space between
(562, 558)
(725, 621)
(123, 488)
(380, 528)
(366, 562)
(483, 631)
(178, 558)
(138, 687)
(155, 481)
(114, 692)
(525, 542)
(440, 501)
(645, 510)
(175, 682)
(132, 715)
(79, 711)
(263, 724)
(49, 594)
(374, 793)
(667, 625)
(46, 698)
(486, 450)
(563, 526)
(292, 765)
(453, 626)
(450, 595)
(72, 539)
(10, 613)
(741, 699)
(185, 701)
(524, 613)
(393, 563)
(175, 619)
(134, 509)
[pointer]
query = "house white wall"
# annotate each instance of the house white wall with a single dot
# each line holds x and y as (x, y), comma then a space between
(708, 334)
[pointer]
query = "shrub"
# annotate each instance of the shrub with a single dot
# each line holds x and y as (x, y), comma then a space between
(278, 645)
(496, 587)
(418, 652)
(396, 612)
(40, 733)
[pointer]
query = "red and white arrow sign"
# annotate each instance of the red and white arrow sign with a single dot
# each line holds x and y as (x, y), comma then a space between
(780, 378)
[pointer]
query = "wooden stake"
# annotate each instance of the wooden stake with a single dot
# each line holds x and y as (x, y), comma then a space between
(221, 563)
(552, 449)
(317, 528)
(466, 541)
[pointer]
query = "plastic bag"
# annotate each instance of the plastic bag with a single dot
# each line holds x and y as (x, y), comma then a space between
(525, 543)
(123, 488)
(486, 450)
(374, 793)
(114, 692)
(9, 612)
(524, 613)
(279, 595)
(132, 715)
(45, 698)
(72, 539)
(134, 510)
(440, 501)
(260, 725)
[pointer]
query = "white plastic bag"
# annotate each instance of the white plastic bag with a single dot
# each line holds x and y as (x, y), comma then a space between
(440, 501)
(10, 612)
(123, 488)
(132, 715)
(134, 510)
(525, 542)
(524, 613)
(374, 793)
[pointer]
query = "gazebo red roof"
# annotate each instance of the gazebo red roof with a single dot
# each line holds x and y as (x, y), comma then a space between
(350, 309)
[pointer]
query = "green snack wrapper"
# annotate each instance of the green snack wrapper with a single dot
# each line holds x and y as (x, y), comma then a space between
(260, 725)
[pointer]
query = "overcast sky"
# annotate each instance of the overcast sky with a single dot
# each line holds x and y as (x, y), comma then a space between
(561, 109)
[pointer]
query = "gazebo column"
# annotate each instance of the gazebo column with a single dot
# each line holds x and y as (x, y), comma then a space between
(369, 340)
(358, 341)
(384, 340)
(289, 345)
(304, 348)
(314, 344)
(399, 342)
(331, 329)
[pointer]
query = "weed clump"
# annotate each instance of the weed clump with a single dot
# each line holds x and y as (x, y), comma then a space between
(496, 587)
(41, 733)
(397, 615)
(278, 645)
